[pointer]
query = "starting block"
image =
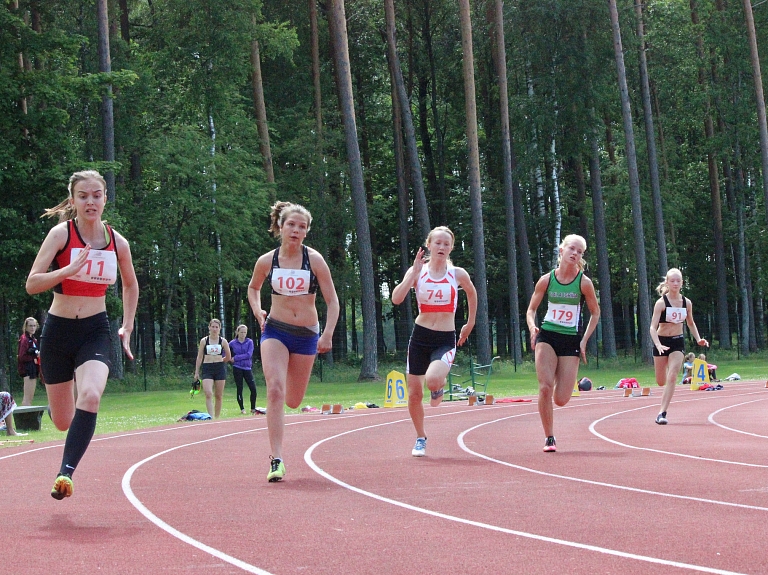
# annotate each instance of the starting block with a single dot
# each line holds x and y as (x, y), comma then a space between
(637, 391)
(328, 408)
(472, 400)
(489, 400)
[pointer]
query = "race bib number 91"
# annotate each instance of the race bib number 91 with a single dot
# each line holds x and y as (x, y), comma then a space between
(99, 268)
(563, 314)
(290, 282)
(676, 314)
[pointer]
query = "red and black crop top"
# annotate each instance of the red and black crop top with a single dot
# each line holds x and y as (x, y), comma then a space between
(290, 282)
(99, 271)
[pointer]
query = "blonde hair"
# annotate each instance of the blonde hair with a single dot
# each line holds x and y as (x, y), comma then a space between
(241, 325)
(65, 210)
(445, 229)
(280, 210)
(215, 319)
(573, 238)
(702, 357)
(663, 287)
(27, 322)
(690, 357)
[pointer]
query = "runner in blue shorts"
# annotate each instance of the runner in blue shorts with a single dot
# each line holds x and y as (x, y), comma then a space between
(290, 334)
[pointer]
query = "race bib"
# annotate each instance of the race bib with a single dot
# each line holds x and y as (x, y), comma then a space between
(676, 314)
(99, 268)
(563, 314)
(213, 349)
(436, 294)
(290, 282)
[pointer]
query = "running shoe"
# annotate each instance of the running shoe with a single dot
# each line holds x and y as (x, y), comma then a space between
(420, 449)
(62, 487)
(436, 397)
(549, 445)
(276, 470)
(661, 419)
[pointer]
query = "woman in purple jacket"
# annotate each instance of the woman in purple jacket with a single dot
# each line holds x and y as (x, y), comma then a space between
(242, 358)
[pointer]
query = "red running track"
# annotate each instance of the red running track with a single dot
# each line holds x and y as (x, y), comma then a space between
(621, 495)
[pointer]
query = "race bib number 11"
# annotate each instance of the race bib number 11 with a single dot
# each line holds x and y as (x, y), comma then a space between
(99, 268)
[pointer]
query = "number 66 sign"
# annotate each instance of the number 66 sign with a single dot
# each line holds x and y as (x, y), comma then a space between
(396, 394)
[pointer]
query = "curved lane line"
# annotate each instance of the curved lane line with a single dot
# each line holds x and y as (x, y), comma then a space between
(712, 415)
(310, 462)
(674, 453)
(460, 440)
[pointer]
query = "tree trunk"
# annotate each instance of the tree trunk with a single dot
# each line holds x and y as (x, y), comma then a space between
(260, 108)
(759, 97)
(475, 194)
(650, 139)
(107, 109)
(500, 60)
(601, 249)
(723, 323)
(369, 367)
(419, 198)
(644, 303)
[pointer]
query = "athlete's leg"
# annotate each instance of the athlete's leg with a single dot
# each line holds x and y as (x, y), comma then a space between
(299, 372)
(61, 401)
(238, 374)
(674, 361)
(435, 377)
(208, 391)
(218, 396)
(248, 375)
(546, 367)
(415, 398)
(275, 373)
(565, 378)
(29, 390)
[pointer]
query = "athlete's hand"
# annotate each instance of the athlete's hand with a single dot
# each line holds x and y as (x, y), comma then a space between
(261, 317)
(662, 348)
(703, 342)
(419, 261)
(125, 339)
(75, 266)
(583, 351)
(464, 333)
(534, 333)
(325, 343)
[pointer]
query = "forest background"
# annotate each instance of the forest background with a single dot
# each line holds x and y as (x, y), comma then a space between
(639, 126)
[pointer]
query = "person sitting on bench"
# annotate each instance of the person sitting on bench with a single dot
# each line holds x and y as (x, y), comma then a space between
(7, 405)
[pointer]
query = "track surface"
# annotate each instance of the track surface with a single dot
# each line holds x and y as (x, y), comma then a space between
(621, 495)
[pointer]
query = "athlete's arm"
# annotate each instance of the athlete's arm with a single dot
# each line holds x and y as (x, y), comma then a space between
(538, 296)
(130, 291)
(40, 279)
(588, 290)
(658, 309)
(463, 279)
(260, 271)
(325, 281)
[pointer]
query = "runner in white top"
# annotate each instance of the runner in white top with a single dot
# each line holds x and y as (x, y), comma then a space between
(432, 347)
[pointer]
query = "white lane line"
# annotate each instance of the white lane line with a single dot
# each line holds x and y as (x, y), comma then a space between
(663, 452)
(141, 508)
(310, 462)
(460, 440)
(126, 484)
(712, 415)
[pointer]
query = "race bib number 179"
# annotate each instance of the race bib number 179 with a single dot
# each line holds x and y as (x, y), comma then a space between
(563, 314)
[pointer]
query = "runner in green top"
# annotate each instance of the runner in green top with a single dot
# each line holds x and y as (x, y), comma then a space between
(557, 345)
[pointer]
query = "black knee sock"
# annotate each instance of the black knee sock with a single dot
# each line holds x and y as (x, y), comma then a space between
(78, 438)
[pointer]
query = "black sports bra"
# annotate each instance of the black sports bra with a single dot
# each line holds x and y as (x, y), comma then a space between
(663, 318)
(290, 282)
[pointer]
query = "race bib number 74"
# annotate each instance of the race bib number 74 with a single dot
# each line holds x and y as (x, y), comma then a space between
(563, 314)
(99, 268)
